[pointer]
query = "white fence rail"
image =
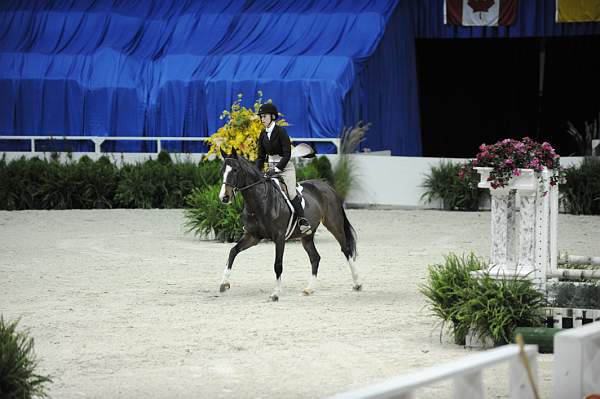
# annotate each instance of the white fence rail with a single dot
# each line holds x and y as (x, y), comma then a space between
(577, 362)
(466, 374)
(98, 140)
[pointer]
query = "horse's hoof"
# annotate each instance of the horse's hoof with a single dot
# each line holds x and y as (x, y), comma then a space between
(224, 287)
(274, 298)
(308, 291)
(357, 287)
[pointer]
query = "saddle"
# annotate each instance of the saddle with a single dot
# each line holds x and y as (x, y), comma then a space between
(293, 221)
(279, 183)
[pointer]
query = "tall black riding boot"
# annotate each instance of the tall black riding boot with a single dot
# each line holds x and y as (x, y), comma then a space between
(302, 222)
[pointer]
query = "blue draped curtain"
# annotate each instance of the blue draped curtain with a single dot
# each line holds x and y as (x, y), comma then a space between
(169, 68)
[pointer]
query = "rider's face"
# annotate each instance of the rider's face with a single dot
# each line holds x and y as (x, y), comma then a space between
(266, 120)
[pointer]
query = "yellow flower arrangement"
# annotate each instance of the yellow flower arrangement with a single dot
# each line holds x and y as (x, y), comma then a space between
(241, 130)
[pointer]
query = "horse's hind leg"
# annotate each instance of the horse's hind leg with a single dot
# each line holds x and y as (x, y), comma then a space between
(335, 225)
(245, 242)
(308, 243)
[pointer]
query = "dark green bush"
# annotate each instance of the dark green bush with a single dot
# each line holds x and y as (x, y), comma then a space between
(494, 307)
(18, 378)
(487, 306)
(580, 194)
(316, 168)
(207, 215)
(455, 184)
(51, 184)
(445, 289)
(575, 295)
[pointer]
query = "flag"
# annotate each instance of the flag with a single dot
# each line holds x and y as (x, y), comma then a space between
(577, 11)
(480, 12)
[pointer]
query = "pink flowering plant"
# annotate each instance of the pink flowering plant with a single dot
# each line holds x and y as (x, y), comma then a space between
(506, 157)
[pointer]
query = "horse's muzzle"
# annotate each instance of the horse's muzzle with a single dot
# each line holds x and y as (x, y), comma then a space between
(225, 199)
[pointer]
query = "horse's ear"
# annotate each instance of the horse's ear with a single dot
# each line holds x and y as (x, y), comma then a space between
(224, 154)
(234, 154)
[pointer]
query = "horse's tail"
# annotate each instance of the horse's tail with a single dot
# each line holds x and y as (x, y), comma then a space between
(350, 234)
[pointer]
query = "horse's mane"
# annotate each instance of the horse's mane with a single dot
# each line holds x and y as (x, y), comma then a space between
(249, 168)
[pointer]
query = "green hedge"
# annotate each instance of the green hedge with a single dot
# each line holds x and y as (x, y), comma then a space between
(87, 184)
(36, 183)
(580, 194)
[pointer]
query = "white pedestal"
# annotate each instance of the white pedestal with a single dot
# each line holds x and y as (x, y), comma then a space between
(532, 257)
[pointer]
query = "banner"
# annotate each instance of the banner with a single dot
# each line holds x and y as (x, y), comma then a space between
(577, 11)
(480, 12)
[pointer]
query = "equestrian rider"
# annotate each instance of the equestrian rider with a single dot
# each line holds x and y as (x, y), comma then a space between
(274, 143)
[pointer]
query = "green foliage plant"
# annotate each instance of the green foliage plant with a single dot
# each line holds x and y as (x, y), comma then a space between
(455, 184)
(208, 217)
(584, 295)
(580, 193)
(344, 172)
(591, 131)
(486, 306)
(494, 307)
(315, 168)
(446, 288)
(18, 377)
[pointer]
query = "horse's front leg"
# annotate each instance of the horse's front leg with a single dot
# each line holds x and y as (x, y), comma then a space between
(245, 242)
(278, 266)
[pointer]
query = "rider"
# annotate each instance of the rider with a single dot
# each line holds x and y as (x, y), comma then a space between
(274, 142)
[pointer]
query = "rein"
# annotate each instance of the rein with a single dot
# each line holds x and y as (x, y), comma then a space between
(240, 189)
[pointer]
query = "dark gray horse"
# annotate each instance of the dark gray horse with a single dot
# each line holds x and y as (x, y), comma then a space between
(267, 215)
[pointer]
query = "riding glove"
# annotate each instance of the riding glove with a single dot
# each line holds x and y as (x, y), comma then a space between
(272, 172)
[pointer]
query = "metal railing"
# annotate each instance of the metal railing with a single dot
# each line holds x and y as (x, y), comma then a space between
(99, 140)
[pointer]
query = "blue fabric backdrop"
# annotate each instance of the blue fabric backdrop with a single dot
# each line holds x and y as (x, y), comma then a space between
(169, 68)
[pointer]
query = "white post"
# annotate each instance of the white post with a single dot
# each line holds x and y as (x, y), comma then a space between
(542, 231)
(554, 227)
(577, 362)
(469, 386)
(520, 386)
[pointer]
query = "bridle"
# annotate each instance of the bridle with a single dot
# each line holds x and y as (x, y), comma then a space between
(240, 189)
(244, 188)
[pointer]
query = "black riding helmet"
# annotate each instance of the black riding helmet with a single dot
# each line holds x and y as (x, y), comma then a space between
(268, 108)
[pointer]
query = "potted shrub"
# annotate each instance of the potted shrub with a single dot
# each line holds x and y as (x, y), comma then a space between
(493, 308)
(445, 290)
(455, 184)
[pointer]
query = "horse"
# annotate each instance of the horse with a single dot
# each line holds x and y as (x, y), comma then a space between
(267, 215)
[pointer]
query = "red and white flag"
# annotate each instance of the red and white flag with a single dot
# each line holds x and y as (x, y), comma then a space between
(480, 12)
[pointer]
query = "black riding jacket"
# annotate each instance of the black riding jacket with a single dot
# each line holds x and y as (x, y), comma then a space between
(279, 144)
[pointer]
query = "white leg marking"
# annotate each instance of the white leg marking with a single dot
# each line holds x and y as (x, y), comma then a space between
(226, 274)
(275, 295)
(222, 192)
(224, 286)
(357, 285)
(311, 285)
